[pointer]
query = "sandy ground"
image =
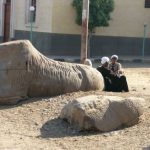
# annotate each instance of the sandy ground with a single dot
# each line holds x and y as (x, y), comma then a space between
(34, 124)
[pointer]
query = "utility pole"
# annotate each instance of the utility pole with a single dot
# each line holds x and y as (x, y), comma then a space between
(84, 38)
(32, 9)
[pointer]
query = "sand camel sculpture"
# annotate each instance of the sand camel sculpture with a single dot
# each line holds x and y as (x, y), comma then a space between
(25, 72)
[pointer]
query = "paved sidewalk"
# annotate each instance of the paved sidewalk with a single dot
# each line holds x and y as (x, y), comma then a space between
(124, 59)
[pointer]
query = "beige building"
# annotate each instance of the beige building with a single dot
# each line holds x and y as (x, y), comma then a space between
(56, 33)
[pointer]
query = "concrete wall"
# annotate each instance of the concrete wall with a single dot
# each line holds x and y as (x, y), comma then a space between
(128, 19)
(56, 33)
(64, 18)
(43, 17)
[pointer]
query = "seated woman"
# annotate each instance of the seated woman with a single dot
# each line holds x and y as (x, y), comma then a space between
(112, 82)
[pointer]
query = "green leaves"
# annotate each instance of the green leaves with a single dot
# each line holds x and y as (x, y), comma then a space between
(99, 12)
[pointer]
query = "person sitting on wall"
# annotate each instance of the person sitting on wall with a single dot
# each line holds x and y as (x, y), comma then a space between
(112, 82)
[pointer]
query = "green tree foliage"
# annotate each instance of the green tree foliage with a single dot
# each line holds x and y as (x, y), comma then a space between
(99, 14)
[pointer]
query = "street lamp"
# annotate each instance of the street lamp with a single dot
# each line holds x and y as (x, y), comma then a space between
(32, 9)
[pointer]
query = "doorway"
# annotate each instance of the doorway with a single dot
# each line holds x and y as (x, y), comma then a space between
(7, 14)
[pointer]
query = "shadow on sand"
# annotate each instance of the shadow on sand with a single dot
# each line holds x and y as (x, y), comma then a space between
(146, 148)
(58, 128)
(23, 102)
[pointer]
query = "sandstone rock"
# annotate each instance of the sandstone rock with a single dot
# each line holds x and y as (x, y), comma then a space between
(103, 113)
(25, 72)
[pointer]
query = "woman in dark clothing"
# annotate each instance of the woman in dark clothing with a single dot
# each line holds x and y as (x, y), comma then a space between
(112, 83)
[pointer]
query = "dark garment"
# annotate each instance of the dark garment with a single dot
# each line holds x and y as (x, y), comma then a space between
(108, 78)
(113, 83)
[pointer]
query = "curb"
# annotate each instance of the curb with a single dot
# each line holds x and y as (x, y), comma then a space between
(96, 60)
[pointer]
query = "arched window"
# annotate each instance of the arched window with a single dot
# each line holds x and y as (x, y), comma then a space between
(33, 3)
(30, 15)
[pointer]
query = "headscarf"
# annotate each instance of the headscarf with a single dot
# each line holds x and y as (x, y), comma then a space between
(114, 56)
(104, 60)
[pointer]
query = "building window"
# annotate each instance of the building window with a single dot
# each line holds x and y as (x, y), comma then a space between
(33, 3)
(30, 13)
(147, 3)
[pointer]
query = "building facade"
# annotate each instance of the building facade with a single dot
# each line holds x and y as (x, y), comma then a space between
(54, 31)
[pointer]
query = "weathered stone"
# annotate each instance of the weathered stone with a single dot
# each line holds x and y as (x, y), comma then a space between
(88, 62)
(103, 113)
(25, 72)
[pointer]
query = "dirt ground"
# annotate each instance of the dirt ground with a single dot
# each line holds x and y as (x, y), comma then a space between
(34, 124)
